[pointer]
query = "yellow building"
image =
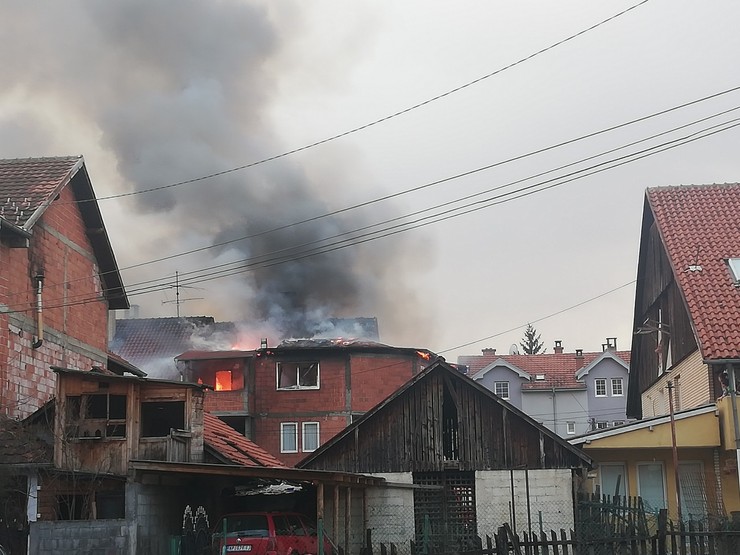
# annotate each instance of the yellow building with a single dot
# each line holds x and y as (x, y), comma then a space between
(637, 459)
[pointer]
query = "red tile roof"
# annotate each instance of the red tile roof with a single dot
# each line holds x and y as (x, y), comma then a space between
(559, 369)
(700, 229)
(233, 446)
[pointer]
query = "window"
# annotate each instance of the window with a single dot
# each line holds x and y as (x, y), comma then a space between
(571, 427)
(501, 389)
(310, 436)
(692, 482)
(158, 418)
(602, 425)
(600, 385)
(618, 422)
(223, 380)
(734, 264)
(288, 437)
(651, 486)
(297, 375)
(73, 507)
(613, 479)
(617, 387)
(100, 416)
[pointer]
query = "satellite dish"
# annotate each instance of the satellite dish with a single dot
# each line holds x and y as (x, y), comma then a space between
(513, 350)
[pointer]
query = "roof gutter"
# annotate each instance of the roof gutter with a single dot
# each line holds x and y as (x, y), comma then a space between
(15, 229)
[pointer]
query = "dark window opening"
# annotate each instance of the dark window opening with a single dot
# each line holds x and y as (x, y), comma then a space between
(73, 507)
(96, 416)
(158, 418)
(110, 505)
(450, 429)
(239, 423)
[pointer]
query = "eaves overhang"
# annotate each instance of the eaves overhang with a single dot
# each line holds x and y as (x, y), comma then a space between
(237, 471)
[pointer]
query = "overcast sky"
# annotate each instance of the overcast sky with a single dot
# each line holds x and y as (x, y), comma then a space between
(155, 93)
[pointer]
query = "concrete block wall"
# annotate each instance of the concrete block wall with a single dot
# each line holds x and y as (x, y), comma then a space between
(159, 514)
(550, 500)
(390, 511)
(72, 537)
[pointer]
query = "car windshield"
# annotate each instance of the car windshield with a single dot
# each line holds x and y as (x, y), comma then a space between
(244, 525)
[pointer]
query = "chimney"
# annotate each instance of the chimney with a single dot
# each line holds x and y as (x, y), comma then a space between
(558, 347)
(263, 343)
(488, 351)
(611, 343)
(579, 359)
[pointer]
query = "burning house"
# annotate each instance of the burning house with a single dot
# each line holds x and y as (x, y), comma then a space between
(292, 398)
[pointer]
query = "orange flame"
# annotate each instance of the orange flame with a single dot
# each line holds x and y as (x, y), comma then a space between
(425, 356)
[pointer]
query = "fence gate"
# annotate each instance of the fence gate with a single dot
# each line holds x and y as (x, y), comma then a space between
(444, 510)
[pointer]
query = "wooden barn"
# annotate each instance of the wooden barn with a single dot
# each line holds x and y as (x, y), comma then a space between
(458, 462)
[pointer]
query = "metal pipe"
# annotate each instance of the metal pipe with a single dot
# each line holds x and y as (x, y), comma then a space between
(733, 404)
(39, 337)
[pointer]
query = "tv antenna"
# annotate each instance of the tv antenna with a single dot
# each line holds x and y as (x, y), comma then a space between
(178, 301)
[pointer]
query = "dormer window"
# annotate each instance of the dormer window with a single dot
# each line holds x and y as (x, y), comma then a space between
(734, 264)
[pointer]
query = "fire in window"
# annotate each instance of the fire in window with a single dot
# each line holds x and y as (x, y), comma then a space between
(224, 381)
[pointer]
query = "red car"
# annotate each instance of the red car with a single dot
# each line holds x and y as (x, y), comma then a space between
(265, 533)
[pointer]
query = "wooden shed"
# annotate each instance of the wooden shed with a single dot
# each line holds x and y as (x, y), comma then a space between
(458, 461)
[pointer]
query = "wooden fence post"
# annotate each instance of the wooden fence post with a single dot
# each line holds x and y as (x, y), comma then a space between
(662, 528)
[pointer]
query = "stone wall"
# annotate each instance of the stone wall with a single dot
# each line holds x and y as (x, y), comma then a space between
(72, 537)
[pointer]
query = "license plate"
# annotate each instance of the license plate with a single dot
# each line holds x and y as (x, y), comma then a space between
(231, 548)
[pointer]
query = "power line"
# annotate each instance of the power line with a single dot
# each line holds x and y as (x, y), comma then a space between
(380, 120)
(451, 178)
(207, 274)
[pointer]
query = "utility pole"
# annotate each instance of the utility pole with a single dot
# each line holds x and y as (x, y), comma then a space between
(669, 386)
(733, 402)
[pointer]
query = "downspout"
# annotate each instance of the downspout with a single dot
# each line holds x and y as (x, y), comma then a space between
(39, 337)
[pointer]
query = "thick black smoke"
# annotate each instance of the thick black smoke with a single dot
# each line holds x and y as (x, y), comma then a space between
(175, 90)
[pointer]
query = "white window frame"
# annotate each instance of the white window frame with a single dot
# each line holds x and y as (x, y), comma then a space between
(283, 426)
(619, 423)
(570, 428)
(662, 467)
(615, 381)
(624, 485)
(508, 391)
(602, 425)
(597, 381)
(297, 385)
(304, 434)
(734, 265)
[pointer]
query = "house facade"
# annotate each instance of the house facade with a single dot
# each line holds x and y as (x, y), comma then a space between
(458, 462)
(637, 460)
(570, 393)
(292, 398)
(687, 309)
(58, 278)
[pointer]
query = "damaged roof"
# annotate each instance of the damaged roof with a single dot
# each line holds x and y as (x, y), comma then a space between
(29, 186)
(143, 340)
(232, 447)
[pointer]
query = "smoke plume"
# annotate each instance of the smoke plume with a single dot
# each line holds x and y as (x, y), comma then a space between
(168, 91)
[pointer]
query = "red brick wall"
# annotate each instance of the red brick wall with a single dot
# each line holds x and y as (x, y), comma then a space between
(373, 378)
(75, 315)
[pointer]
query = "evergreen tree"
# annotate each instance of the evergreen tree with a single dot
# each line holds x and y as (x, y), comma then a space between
(531, 344)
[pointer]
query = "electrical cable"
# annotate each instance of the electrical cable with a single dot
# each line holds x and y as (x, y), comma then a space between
(383, 119)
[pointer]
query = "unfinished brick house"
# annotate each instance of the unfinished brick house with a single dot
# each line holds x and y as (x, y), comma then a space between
(58, 278)
(292, 398)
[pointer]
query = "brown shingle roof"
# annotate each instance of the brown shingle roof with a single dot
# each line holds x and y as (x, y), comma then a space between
(700, 228)
(142, 340)
(559, 369)
(27, 185)
(233, 446)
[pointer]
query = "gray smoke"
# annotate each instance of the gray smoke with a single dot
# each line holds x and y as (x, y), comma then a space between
(175, 90)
